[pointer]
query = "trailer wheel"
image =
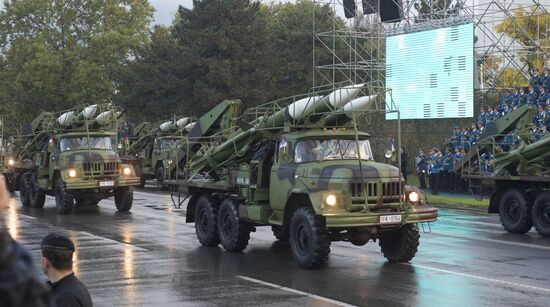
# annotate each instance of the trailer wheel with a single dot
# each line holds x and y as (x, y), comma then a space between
(124, 197)
(515, 212)
(400, 245)
(37, 197)
(541, 214)
(161, 185)
(309, 239)
(64, 201)
(234, 234)
(280, 232)
(206, 221)
(24, 190)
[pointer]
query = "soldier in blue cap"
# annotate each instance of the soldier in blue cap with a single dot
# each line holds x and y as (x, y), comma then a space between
(522, 97)
(435, 170)
(482, 117)
(504, 100)
(446, 165)
(543, 97)
(532, 97)
(515, 99)
(457, 136)
(535, 80)
(421, 167)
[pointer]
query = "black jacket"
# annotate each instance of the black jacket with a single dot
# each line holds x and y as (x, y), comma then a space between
(19, 286)
(69, 292)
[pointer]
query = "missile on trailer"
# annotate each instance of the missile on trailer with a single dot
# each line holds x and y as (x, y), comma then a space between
(103, 118)
(88, 112)
(344, 114)
(66, 118)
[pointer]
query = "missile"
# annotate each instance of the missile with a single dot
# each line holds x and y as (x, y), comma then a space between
(303, 107)
(165, 127)
(88, 112)
(183, 122)
(512, 160)
(66, 118)
(189, 127)
(104, 117)
(334, 101)
(344, 114)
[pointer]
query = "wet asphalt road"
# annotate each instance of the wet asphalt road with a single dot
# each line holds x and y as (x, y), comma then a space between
(150, 257)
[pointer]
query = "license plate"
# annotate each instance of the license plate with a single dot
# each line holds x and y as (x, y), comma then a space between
(390, 219)
(106, 183)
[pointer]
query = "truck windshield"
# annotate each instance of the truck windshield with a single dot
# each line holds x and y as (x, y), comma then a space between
(332, 149)
(79, 143)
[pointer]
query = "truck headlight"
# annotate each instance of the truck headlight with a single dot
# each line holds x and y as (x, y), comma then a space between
(388, 154)
(72, 173)
(330, 200)
(11, 162)
(414, 197)
(127, 171)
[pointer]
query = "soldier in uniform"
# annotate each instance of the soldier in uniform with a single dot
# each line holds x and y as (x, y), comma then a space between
(522, 97)
(515, 99)
(421, 167)
(446, 165)
(505, 111)
(504, 100)
(457, 136)
(435, 170)
(482, 117)
(491, 117)
(534, 82)
(455, 177)
(545, 79)
(465, 138)
(540, 118)
(532, 97)
(543, 97)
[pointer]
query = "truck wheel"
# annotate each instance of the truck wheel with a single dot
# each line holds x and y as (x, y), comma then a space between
(124, 197)
(11, 183)
(206, 221)
(37, 197)
(400, 245)
(234, 234)
(24, 190)
(541, 214)
(161, 185)
(515, 212)
(309, 240)
(64, 201)
(280, 232)
(142, 179)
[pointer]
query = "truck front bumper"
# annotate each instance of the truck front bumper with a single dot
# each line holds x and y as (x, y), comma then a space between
(84, 184)
(421, 214)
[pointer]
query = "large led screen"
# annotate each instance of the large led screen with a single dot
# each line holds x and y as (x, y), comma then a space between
(431, 73)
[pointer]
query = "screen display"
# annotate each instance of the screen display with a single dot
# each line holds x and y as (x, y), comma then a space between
(431, 73)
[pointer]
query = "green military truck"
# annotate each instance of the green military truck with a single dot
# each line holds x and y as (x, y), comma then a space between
(305, 170)
(71, 156)
(7, 161)
(512, 161)
(149, 149)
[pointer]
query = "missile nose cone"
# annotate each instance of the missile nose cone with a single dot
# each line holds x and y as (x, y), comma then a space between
(345, 94)
(182, 122)
(302, 107)
(359, 104)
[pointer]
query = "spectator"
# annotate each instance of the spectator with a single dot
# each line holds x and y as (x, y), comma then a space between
(515, 99)
(540, 118)
(457, 137)
(543, 97)
(482, 117)
(19, 285)
(435, 168)
(491, 117)
(504, 100)
(57, 263)
(505, 111)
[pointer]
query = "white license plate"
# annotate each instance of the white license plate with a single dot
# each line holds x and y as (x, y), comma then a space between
(390, 219)
(106, 183)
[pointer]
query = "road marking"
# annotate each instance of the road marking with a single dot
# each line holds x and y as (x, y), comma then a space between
(504, 282)
(495, 241)
(317, 297)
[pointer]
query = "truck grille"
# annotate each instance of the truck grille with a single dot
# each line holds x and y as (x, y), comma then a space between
(376, 192)
(100, 168)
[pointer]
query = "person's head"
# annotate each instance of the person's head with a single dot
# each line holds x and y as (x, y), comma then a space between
(420, 150)
(516, 90)
(482, 109)
(506, 92)
(543, 127)
(542, 89)
(490, 109)
(541, 109)
(506, 107)
(545, 70)
(474, 126)
(535, 71)
(530, 88)
(57, 254)
(522, 90)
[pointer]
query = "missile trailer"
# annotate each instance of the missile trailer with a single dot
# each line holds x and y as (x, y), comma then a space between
(71, 157)
(305, 170)
(513, 162)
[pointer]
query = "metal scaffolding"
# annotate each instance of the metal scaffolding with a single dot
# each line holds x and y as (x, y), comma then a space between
(353, 49)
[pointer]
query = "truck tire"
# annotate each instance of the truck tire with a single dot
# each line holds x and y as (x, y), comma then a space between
(400, 245)
(37, 197)
(309, 239)
(206, 221)
(124, 197)
(234, 234)
(541, 214)
(24, 190)
(11, 183)
(515, 212)
(64, 201)
(281, 233)
(142, 179)
(161, 185)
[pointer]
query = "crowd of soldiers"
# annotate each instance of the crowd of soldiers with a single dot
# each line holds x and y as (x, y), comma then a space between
(438, 165)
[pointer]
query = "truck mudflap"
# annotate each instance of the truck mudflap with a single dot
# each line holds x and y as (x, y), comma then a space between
(102, 183)
(421, 214)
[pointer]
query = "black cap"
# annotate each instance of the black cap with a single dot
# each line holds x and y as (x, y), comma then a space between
(58, 242)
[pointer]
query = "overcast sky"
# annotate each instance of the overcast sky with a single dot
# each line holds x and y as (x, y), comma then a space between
(166, 9)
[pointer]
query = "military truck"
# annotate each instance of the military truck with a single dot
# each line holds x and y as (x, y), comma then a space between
(7, 161)
(513, 162)
(149, 148)
(70, 156)
(303, 168)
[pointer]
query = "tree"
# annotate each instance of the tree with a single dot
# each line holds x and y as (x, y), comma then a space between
(151, 86)
(62, 53)
(223, 44)
(531, 29)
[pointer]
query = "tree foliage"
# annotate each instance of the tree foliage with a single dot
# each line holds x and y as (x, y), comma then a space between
(61, 53)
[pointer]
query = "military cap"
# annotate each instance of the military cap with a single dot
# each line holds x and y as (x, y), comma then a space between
(58, 242)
